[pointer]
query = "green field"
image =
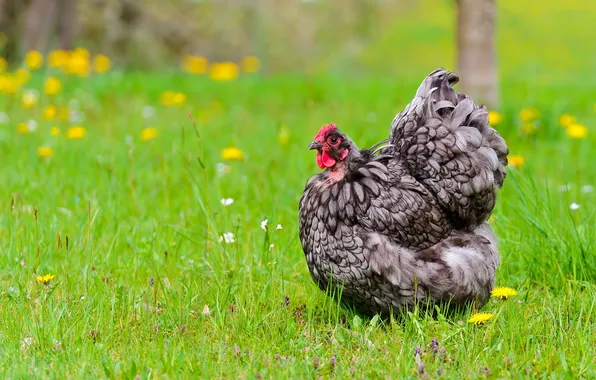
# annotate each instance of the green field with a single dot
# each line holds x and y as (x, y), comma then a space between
(130, 229)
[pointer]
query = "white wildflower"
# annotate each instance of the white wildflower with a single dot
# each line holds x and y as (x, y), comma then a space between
(227, 237)
(206, 312)
(227, 201)
(222, 169)
(32, 125)
(271, 247)
(279, 227)
(148, 112)
(264, 225)
(587, 189)
(574, 206)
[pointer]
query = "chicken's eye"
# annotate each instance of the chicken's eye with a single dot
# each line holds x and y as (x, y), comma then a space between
(333, 140)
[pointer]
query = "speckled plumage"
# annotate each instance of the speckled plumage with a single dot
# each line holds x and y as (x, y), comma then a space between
(409, 223)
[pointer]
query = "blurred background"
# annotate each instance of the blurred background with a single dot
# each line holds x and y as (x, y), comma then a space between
(539, 38)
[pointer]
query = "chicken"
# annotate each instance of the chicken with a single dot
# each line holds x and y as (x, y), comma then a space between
(406, 221)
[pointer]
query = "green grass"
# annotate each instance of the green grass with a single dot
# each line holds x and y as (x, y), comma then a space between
(142, 221)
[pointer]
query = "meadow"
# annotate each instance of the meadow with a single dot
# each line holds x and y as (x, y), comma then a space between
(139, 242)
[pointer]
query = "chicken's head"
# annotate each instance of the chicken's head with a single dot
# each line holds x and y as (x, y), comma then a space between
(332, 146)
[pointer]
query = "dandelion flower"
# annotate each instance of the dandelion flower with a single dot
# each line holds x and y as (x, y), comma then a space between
(503, 292)
(251, 64)
(227, 201)
(52, 86)
(9, 84)
(170, 98)
(224, 71)
(480, 318)
(50, 112)
(264, 225)
(494, 118)
(45, 279)
(516, 160)
(45, 151)
(22, 76)
(148, 134)
(58, 58)
(566, 120)
(34, 59)
(78, 63)
(54, 131)
(232, 154)
(577, 131)
(193, 64)
(529, 114)
(23, 129)
(574, 206)
(101, 63)
(76, 133)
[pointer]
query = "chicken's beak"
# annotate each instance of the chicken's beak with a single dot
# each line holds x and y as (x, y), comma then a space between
(314, 145)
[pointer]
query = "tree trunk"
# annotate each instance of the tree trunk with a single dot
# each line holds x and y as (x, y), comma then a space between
(476, 50)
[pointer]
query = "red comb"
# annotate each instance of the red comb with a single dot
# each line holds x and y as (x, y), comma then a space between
(324, 130)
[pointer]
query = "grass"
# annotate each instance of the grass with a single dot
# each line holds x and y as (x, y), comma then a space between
(142, 287)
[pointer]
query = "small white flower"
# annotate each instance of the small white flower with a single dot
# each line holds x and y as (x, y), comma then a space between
(222, 169)
(148, 112)
(587, 189)
(271, 247)
(26, 343)
(4, 118)
(574, 206)
(227, 201)
(82, 298)
(11, 289)
(32, 125)
(206, 312)
(264, 225)
(279, 227)
(228, 237)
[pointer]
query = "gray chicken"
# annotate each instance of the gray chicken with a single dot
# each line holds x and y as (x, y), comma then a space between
(406, 220)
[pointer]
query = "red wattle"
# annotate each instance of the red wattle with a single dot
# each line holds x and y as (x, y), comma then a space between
(327, 160)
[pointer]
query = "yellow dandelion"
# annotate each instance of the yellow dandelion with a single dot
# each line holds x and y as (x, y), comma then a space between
(45, 151)
(52, 86)
(29, 99)
(194, 65)
(529, 128)
(50, 112)
(54, 131)
(577, 131)
(101, 63)
(45, 279)
(23, 129)
(148, 134)
(503, 292)
(494, 118)
(78, 63)
(22, 76)
(3, 65)
(480, 318)
(9, 84)
(251, 64)
(58, 58)
(529, 114)
(170, 98)
(516, 160)
(76, 133)
(224, 71)
(34, 60)
(566, 120)
(283, 136)
(232, 154)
